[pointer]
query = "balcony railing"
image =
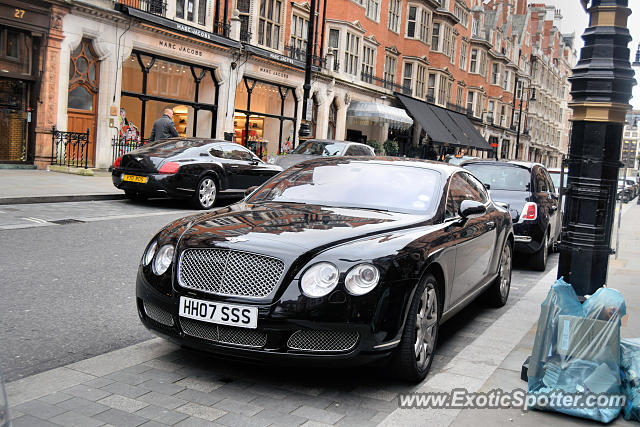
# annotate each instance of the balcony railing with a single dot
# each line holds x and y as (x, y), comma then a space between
(387, 84)
(156, 7)
(301, 55)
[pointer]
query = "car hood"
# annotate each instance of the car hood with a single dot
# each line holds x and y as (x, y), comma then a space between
(288, 228)
(289, 160)
(515, 200)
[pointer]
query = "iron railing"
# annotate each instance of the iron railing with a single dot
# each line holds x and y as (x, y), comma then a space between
(156, 7)
(122, 145)
(300, 54)
(69, 149)
(385, 83)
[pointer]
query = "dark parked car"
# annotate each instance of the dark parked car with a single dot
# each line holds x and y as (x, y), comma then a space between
(627, 190)
(533, 202)
(315, 148)
(334, 259)
(190, 168)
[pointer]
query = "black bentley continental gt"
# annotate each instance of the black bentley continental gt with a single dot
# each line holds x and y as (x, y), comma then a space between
(338, 258)
(190, 168)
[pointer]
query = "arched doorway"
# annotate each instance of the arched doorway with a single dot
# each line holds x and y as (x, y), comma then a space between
(84, 71)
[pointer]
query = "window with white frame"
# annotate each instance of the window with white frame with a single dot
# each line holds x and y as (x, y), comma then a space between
(516, 118)
(368, 62)
(473, 64)
(407, 77)
(431, 87)
(461, 14)
(463, 55)
(491, 111)
(507, 80)
(475, 28)
(452, 56)
(435, 37)
(389, 70)
(470, 102)
(460, 96)
(192, 10)
(394, 15)
(412, 21)
(502, 115)
(421, 73)
(483, 62)
(351, 54)
(299, 26)
(444, 4)
(519, 89)
(446, 39)
(442, 90)
(495, 73)
(333, 45)
(269, 23)
(425, 17)
(373, 9)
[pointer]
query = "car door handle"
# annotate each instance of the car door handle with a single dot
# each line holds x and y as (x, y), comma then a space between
(235, 166)
(491, 225)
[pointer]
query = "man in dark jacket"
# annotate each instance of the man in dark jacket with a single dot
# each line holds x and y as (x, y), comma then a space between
(164, 127)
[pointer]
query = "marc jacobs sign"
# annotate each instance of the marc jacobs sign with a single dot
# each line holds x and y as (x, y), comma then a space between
(179, 47)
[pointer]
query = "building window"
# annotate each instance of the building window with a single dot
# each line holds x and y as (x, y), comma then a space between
(389, 71)
(192, 10)
(463, 55)
(408, 75)
(483, 63)
(475, 28)
(452, 56)
(421, 73)
(373, 7)
(332, 46)
(244, 7)
(495, 74)
(502, 115)
(424, 25)
(473, 64)
(444, 4)
(298, 41)
(435, 37)
(490, 111)
(351, 54)
(470, 104)
(394, 15)
(519, 89)
(269, 23)
(459, 96)
(446, 40)
(412, 21)
(431, 88)
(506, 81)
(442, 91)
(368, 63)
(461, 14)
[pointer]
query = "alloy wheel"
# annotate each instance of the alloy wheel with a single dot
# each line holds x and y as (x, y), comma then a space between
(207, 192)
(426, 324)
(505, 271)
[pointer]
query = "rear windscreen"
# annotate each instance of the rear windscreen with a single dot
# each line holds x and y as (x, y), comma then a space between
(500, 177)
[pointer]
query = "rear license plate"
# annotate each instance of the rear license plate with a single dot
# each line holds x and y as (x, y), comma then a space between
(216, 312)
(135, 178)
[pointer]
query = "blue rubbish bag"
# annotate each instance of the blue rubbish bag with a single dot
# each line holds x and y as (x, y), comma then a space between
(576, 354)
(630, 375)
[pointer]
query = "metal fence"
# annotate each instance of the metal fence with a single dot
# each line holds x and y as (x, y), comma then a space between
(157, 7)
(69, 149)
(121, 146)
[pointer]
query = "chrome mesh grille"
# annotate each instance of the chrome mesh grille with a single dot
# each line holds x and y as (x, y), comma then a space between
(313, 340)
(156, 313)
(224, 334)
(229, 272)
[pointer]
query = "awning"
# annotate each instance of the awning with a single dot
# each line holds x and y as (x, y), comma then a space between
(372, 113)
(444, 126)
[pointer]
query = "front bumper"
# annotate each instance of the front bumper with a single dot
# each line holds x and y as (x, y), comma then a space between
(159, 185)
(271, 340)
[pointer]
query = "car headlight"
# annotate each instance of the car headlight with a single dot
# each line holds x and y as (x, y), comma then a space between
(361, 279)
(149, 253)
(319, 280)
(163, 259)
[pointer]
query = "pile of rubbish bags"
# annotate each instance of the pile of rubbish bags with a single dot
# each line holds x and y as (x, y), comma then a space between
(577, 354)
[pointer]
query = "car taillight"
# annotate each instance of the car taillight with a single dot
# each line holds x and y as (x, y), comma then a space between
(169, 168)
(116, 164)
(530, 211)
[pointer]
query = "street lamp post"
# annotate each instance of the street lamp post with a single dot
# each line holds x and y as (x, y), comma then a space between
(601, 88)
(305, 128)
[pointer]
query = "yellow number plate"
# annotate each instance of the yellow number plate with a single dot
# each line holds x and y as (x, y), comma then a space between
(135, 178)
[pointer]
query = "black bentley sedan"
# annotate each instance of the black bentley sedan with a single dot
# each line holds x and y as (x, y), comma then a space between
(190, 168)
(354, 259)
(532, 198)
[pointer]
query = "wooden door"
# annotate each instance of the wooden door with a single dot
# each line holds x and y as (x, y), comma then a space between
(83, 94)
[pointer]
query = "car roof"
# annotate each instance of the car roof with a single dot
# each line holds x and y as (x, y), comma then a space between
(444, 168)
(527, 165)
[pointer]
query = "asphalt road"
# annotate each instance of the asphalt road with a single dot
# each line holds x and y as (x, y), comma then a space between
(68, 287)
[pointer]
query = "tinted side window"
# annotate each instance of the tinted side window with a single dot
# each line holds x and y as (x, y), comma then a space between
(351, 151)
(459, 190)
(479, 192)
(541, 182)
(233, 152)
(551, 187)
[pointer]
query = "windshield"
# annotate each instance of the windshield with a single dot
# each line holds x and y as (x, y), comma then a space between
(500, 177)
(320, 148)
(357, 184)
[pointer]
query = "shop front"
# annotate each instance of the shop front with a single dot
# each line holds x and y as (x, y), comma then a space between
(265, 116)
(151, 83)
(23, 31)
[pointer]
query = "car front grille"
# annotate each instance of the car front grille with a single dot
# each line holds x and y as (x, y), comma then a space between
(322, 340)
(159, 315)
(224, 334)
(229, 272)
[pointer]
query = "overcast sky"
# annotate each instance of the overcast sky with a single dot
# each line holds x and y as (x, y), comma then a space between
(574, 18)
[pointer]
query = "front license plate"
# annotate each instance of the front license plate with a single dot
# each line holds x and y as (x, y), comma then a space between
(135, 178)
(216, 312)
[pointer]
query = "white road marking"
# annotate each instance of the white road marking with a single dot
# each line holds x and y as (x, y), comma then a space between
(36, 220)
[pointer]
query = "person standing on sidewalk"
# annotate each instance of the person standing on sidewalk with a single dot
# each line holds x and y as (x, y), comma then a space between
(164, 127)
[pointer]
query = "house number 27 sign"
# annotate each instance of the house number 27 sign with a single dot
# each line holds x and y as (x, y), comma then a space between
(18, 13)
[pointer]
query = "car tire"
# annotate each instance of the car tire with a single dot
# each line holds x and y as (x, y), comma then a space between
(414, 355)
(205, 194)
(539, 259)
(133, 195)
(498, 293)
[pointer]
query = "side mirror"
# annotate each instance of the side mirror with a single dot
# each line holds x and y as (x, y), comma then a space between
(472, 209)
(250, 190)
(487, 186)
